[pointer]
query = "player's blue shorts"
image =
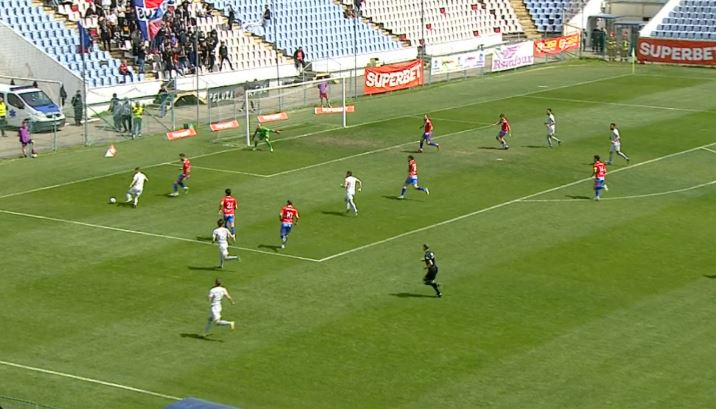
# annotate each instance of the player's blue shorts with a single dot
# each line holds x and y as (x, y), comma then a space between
(286, 228)
(427, 136)
(599, 183)
(229, 219)
(181, 177)
(502, 134)
(411, 181)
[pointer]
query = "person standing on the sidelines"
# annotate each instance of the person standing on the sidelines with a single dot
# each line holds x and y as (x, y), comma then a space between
(350, 183)
(77, 106)
(432, 270)
(137, 113)
(25, 140)
(3, 116)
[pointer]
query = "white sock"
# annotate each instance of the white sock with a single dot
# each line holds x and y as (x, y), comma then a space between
(223, 323)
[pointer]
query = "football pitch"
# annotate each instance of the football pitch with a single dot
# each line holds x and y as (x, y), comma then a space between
(551, 300)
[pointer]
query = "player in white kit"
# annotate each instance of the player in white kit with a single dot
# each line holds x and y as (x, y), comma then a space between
(221, 235)
(216, 294)
(616, 144)
(551, 124)
(350, 183)
(136, 187)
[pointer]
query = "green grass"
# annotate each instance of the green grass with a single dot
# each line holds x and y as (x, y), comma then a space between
(550, 302)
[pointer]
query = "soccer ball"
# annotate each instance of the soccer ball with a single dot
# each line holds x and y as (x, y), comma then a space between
(112, 200)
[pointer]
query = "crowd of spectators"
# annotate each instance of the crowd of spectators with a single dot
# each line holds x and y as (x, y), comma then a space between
(179, 47)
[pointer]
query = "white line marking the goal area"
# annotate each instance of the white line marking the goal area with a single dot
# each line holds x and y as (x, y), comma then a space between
(341, 159)
(148, 234)
(90, 380)
(504, 204)
(710, 150)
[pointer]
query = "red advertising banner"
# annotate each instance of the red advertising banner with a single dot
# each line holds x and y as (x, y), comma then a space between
(393, 77)
(557, 45)
(676, 51)
(181, 134)
(220, 126)
(273, 117)
(334, 110)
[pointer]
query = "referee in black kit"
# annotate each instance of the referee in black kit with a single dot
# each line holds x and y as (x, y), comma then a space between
(432, 267)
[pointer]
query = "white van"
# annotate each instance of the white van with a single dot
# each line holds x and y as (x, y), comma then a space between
(27, 102)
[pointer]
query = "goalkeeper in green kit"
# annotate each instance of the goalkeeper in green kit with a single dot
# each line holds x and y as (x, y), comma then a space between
(263, 134)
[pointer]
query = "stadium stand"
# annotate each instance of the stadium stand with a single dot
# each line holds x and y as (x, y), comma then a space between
(61, 43)
(444, 21)
(691, 19)
(319, 26)
(549, 15)
(244, 50)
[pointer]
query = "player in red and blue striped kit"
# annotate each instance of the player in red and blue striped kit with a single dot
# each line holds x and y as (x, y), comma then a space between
(412, 179)
(599, 172)
(183, 176)
(505, 130)
(427, 133)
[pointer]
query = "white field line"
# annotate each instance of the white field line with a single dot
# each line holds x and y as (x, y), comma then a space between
(236, 172)
(219, 152)
(710, 150)
(90, 380)
(357, 155)
(143, 233)
(669, 192)
(620, 104)
(503, 204)
(341, 159)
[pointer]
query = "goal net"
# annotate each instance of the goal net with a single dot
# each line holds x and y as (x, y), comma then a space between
(297, 109)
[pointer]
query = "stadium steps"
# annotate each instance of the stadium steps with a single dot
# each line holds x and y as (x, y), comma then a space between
(116, 53)
(398, 37)
(525, 19)
(285, 59)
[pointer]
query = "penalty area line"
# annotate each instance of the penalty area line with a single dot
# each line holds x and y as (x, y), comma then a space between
(89, 380)
(504, 204)
(148, 234)
(642, 196)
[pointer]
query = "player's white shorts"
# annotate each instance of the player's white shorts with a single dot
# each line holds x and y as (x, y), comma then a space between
(349, 197)
(135, 192)
(216, 312)
(616, 147)
(550, 130)
(224, 250)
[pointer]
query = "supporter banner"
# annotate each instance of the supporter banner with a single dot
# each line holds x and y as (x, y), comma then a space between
(273, 117)
(223, 94)
(557, 45)
(149, 16)
(393, 77)
(457, 62)
(181, 134)
(512, 56)
(676, 51)
(321, 110)
(220, 126)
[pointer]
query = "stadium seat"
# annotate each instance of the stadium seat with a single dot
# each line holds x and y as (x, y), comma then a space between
(689, 20)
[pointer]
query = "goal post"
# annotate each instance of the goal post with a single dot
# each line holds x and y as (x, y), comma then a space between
(299, 107)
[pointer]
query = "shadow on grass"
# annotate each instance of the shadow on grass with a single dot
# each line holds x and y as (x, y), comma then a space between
(392, 197)
(711, 276)
(199, 337)
(332, 213)
(494, 148)
(412, 295)
(204, 238)
(195, 268)
(409, 151)
(578, 197)
(535, 146)
(270, 247)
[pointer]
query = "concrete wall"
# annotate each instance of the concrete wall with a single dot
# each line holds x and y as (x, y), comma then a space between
(21, 58)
